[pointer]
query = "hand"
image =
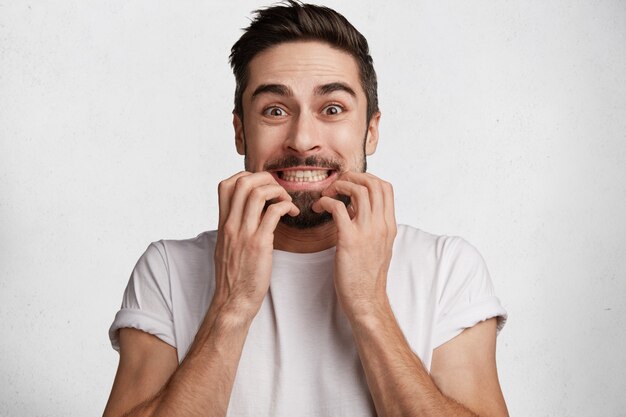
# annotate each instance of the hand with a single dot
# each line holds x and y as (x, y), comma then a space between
(366, 230)
(245, 238)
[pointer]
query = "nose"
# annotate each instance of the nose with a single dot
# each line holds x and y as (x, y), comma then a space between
(303, 136)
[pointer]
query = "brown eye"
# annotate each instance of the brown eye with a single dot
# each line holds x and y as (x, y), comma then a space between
(274, 112)
(332, 110)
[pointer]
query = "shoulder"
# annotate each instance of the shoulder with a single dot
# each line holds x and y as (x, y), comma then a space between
(450, 265)
(445, 275)
(429, 246)
(186, 249)
(414, 239)
(163, 258)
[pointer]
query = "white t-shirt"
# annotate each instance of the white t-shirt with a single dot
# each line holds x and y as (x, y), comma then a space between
(299, 357)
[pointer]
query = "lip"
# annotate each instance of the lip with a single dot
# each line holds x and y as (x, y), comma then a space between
(305, 186)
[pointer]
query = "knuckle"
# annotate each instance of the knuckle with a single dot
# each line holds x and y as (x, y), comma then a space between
(376, 186)
(271, 210)
(256, 193)
(242, 182)
(362, 191)
(222, 187)
(275, 207)
(229, 229)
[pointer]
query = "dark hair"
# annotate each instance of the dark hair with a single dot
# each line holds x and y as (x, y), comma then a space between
(294, 21)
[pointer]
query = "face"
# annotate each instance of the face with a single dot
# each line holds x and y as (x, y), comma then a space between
(305, 121)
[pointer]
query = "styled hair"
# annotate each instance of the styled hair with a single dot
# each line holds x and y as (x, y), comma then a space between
(294, 21)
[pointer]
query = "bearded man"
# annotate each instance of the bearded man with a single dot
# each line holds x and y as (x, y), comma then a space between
(309, 299)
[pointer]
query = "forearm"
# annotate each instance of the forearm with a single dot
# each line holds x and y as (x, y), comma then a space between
(202, 384)
(397, 379)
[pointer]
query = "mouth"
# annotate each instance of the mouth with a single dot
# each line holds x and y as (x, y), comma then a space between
(301, 178)
(308, 175)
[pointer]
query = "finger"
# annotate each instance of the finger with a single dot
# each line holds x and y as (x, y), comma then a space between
(373, 184)
(377, 193)
(273, 214)
(243, 187)
(257, 200)
(351, 211)
(390, 211)
(359, 197)
(336, 208)
(224, 193)
(386, 201)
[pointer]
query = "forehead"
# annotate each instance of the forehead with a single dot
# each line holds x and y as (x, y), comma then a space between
(303, 65)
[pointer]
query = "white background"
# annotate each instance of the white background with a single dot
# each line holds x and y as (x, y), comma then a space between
(503, 122)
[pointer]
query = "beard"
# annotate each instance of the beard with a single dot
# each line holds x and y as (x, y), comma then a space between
(307, 218)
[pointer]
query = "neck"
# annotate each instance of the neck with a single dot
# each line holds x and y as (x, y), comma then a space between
(315, 239)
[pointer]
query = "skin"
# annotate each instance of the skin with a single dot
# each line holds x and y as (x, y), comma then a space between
(303, 120)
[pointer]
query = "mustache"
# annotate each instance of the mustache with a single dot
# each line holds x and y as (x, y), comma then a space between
(294, 161)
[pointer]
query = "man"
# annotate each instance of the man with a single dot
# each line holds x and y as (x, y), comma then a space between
(308, 300)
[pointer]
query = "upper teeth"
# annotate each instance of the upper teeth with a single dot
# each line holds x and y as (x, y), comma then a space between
(305, 176)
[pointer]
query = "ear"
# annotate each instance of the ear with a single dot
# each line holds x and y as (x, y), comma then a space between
(240, 142)
(371, 140)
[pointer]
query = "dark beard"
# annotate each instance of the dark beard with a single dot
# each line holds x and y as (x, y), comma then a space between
(308, 218)
(303, 199)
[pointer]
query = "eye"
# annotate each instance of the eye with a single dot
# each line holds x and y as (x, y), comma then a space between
(332, 110)
(274, 111)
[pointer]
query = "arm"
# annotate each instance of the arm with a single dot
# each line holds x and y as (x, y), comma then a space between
(398, 381)
(146, 363)
(464, 369)
(148, 383)
(463, 382)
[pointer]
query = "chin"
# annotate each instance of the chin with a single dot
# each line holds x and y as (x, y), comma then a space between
(308, 219)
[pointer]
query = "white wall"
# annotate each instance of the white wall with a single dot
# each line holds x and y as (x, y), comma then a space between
(503, 122)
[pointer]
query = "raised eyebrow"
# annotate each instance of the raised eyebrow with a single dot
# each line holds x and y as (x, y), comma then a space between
(332, 87)
(278, 89)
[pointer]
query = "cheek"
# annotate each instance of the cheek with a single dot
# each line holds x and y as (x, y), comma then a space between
(263, 143)
(348, 140)
(346, 128)
(345, 138)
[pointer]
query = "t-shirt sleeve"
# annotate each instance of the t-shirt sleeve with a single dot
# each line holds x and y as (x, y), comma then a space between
(146, 304)
(465, 292)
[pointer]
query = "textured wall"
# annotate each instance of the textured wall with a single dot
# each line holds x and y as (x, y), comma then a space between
(503, 122)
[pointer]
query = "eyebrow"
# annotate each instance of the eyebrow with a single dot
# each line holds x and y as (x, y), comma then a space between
(326, 89)
(278, 89)
(283, 90)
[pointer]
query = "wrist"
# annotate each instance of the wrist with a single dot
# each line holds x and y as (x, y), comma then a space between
(233, 311)
(369, 313)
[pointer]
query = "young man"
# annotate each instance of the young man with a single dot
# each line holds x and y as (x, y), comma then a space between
(308, 300)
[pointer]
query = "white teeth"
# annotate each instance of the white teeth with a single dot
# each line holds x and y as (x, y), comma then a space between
(305, 176)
